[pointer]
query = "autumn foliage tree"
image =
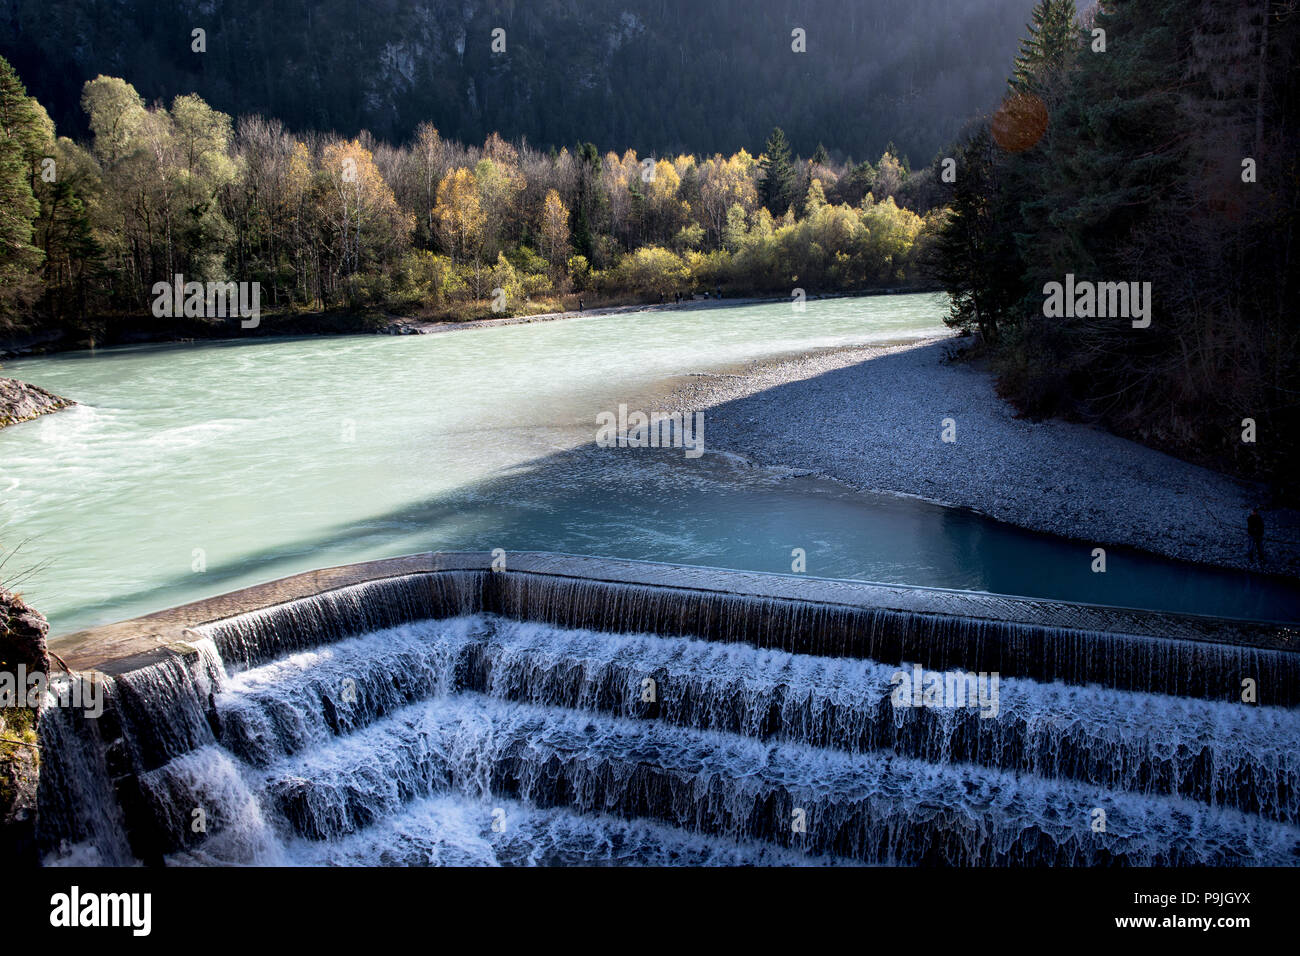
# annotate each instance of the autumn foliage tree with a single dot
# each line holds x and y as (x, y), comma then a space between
(554, 230)
(431, 225)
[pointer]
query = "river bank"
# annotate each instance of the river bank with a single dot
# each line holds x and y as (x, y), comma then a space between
(486, 440)
(21, 402)
(146, 329)
(22, 650)
(874, 419)
(415, 326)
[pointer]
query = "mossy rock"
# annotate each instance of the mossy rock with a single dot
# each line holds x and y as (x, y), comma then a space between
(22, 643)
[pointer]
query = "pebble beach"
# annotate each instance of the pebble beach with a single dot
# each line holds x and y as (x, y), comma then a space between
(874, 417)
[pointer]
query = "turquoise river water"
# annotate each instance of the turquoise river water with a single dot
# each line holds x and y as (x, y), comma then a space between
(194, 469)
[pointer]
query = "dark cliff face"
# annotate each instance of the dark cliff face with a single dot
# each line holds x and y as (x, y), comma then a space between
(22, 650)
(696, 75)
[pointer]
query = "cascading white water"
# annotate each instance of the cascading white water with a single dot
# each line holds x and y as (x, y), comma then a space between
(481, 739)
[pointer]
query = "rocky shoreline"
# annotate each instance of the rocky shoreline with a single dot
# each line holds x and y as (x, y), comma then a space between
(873, 418)
(21, 402)
(22, 650)
(144, 329)
(416, 326)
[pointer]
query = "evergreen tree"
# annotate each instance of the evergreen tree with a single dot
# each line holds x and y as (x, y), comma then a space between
(22, 120)
(1047, 52)
(778, 176)
(975, 255)
(859, 181)
(22, 136)
(588, 168)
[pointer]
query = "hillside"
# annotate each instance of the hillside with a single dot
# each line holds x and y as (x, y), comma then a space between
(661, 75)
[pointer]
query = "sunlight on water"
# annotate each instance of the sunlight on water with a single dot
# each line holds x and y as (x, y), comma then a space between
(191, 470)
(478, 740)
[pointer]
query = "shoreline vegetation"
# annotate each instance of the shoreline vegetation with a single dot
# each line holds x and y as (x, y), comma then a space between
(143, 329)
(328, 232)
(1150, 146)
(1165, 163)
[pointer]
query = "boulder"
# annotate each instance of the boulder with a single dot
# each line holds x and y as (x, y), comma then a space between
(20, 401)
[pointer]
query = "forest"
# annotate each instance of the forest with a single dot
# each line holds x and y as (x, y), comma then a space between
(657, 76)
(430, 227)
(1151, 141)
(1144, 142)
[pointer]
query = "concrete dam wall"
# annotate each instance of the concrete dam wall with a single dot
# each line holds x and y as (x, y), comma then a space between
(575, 710)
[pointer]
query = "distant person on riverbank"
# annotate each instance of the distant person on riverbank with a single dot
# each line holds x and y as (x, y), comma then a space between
(580, 305)
(1255, 528)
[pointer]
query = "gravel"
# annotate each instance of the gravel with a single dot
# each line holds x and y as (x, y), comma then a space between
(873, 418)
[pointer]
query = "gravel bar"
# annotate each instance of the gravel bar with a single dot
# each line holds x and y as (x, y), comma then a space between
(872, 417)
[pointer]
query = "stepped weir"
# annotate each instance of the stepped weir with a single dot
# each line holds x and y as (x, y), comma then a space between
(576, 710)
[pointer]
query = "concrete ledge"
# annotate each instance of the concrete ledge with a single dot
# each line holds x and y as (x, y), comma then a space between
(127, 645)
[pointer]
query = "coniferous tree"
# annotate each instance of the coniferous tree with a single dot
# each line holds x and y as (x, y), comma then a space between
(24, 130)
(1048, 49)
(778, 176)
(975, 255)
(588, 166)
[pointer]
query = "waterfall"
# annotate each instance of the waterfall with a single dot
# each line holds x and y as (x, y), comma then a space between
(936, 641)
(263, 635)
(521, 718)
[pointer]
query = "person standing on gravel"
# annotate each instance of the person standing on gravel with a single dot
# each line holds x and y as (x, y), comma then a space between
(1255, 528)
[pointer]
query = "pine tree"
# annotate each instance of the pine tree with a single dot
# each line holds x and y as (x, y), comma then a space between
(777, 190)
(22, 136)
(588, 157)
(1047, 52)
(22, 120)
(975, 256)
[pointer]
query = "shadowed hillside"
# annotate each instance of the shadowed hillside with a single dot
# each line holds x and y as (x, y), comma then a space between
(646, 74)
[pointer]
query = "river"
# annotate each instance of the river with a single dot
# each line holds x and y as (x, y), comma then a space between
(189, 470)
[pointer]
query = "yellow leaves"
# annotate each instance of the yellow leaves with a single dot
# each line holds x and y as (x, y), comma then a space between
(459, 213)
(653, 270)
(299, 173)
(664, 183)
(350, 167)
(816, 199)
(553, 209)
(359, 205)
(203, 135)
(499, 151)
(554, 229)
(725, 183)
